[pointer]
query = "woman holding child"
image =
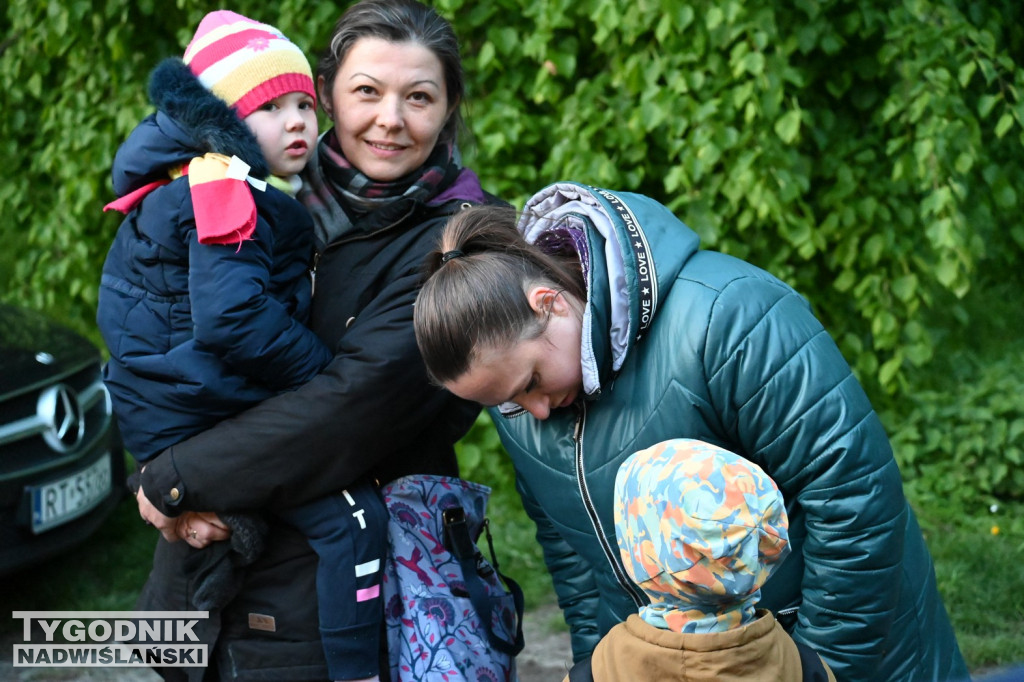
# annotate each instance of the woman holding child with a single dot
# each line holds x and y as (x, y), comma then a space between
(594, 327)
(381, 184)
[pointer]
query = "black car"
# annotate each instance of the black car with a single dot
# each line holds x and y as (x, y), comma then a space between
(62, 465)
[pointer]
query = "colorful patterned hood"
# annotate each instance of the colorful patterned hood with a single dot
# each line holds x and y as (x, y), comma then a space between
(700, 530)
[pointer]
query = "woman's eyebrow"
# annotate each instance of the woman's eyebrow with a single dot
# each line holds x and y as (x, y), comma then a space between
(414, 84)
(359, 74)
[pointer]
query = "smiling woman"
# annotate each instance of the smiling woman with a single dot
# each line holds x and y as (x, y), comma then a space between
(379, 185)
(395, 105)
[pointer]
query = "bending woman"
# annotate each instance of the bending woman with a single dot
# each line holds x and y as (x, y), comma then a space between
(599, 328)
(380, 186)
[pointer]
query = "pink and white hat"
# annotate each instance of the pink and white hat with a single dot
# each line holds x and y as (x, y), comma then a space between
(246, 63)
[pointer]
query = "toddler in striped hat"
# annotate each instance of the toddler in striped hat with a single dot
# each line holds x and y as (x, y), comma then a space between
(204, 301)
(266, 80)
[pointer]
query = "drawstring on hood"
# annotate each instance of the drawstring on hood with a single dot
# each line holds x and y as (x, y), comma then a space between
(572, 210)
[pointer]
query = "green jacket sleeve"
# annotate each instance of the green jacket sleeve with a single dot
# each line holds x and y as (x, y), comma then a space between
(573, 579)
(785, 393)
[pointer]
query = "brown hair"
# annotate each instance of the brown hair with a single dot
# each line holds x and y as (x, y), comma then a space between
(475, 290)
(399, 21)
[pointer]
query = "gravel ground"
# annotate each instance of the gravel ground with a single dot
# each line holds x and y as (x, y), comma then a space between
(546, 657)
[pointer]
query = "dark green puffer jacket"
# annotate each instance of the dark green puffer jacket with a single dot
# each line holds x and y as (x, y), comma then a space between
(684, 343)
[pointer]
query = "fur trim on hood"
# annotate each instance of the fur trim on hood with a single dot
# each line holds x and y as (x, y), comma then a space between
(214, 126)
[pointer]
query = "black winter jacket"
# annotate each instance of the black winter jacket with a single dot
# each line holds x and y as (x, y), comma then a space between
(371, 411)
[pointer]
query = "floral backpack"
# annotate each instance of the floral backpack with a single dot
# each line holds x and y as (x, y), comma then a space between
(450, 616)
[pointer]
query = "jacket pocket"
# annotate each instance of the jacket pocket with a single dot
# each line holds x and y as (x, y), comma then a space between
(259, 660)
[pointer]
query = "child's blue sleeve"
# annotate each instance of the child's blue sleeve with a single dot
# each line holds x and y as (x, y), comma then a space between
(236, 318)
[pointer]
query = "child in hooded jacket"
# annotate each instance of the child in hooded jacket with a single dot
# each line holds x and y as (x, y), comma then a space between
(699, 530)
(206, 291)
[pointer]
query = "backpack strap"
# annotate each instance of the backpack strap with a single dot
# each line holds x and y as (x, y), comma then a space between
(462, 547)
(581, 672)
(810, 661)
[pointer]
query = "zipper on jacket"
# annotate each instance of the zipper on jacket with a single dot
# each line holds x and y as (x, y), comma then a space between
(312, 273)
(620, 575)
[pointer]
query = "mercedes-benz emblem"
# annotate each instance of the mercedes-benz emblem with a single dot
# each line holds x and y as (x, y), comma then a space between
(61, 412)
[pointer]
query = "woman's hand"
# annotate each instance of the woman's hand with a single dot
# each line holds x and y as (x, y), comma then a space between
(198, 529)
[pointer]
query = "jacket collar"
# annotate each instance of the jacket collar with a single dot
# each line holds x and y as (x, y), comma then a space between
(631, 249)
(213, 125)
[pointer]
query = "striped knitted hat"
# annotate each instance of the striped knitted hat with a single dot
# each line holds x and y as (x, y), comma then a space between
(246, 63)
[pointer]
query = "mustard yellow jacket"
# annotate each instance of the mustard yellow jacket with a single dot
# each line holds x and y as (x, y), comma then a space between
(635, 651)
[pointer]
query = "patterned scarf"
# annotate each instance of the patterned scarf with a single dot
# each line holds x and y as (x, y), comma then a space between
(344, 201)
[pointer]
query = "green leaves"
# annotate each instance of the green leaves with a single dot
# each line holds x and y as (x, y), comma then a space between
(871, 153)
(788, 126)
(1003, 126)
(967, 443)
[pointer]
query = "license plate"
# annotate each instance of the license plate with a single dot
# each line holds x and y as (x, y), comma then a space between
(67, 498)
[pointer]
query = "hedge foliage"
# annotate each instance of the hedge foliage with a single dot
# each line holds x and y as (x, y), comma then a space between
(962, 446)
(870, 152)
